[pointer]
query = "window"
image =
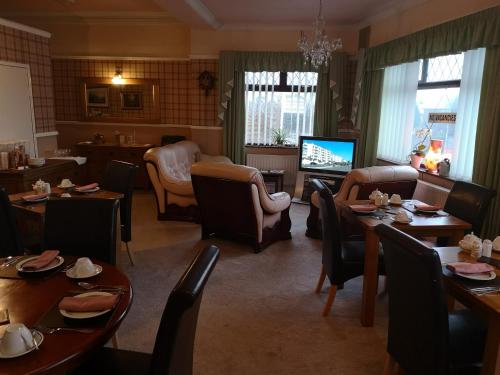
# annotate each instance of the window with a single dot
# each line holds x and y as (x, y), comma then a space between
(279, 102)
(444, 84)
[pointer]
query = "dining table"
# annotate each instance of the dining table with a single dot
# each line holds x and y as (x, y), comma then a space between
(433, 225)
(32, 300)
(486, 304)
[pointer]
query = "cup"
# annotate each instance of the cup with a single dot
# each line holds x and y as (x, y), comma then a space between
(84, 267)
(46, 188)
(402, 217)
(395, 199)
(16, 339)
(486, 248)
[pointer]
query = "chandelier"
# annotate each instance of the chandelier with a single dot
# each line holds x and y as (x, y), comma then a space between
(320, 50)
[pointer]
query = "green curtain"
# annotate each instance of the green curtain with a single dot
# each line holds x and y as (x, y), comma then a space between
(487, 148)
(231, 89)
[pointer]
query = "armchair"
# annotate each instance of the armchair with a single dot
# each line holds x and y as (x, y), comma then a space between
(234, 203)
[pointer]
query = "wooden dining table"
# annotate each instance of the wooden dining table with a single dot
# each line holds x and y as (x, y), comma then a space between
(423, 225)
(487, 305)
(29, 299)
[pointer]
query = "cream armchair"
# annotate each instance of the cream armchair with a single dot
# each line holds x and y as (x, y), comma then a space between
(234, 203)
(169, 169)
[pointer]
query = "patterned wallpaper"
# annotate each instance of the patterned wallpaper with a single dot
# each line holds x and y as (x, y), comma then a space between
(22, 47)
(182, 102)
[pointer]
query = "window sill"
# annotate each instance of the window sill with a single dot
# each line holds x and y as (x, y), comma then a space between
(272, 146)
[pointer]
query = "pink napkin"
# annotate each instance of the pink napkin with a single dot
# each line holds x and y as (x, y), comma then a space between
(34, 197)
(363, 207)
(87, 187)
(426, 207)
(41, 261)
(463, 267)
(88, 304)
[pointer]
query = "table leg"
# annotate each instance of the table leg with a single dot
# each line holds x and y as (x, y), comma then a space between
(370, 278)
(492, 348)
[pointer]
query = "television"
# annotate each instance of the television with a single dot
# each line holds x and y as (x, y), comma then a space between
(327, 154)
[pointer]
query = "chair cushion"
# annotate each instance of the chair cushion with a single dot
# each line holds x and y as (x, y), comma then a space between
(467, 339)
(115, 361)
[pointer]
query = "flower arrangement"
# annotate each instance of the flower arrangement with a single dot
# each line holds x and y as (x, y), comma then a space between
(280, 137)
(422, 135)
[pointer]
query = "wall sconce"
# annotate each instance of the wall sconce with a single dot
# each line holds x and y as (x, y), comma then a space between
(118, 78)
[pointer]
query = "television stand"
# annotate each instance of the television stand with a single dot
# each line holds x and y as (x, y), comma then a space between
(303, 188)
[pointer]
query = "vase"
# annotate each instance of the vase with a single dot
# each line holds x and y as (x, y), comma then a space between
(416, 160)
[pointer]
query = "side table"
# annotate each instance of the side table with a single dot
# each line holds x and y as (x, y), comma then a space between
(274, 176)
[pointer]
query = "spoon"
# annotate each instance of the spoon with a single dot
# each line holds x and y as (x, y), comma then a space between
(90, 286)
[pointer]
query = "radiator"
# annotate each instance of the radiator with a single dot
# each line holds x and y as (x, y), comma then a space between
(268, 162)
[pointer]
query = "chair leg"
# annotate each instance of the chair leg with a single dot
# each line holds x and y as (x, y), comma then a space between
(390, 365)
(321, 280)
(130, 254)
(114, 341)
(329, 302)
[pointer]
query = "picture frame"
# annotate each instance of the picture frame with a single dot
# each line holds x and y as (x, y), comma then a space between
(98, 97)
(131, 100)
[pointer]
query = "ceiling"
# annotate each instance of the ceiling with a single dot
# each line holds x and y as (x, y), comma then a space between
(216, 14)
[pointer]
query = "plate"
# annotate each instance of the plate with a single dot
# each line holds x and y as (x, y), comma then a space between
(88, 191)
(478, 276)
(364, 212)
(402, 222)
(37, 336)
(54, 264)
(89, 314)
(35, 200)
(72, 275)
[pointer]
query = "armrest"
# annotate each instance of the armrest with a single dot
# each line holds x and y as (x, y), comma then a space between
(215, 159)
(276, 202)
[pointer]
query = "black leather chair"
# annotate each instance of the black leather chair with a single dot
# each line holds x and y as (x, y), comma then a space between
(423, 338)
(469, 202)
(10, 243)
(85, 227)
(119, 177)
(173, 350)
(342, 260)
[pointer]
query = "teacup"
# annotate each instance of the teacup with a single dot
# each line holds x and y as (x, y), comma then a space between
(402, 217)
(84, 267)
(16, 339)
(395, 199)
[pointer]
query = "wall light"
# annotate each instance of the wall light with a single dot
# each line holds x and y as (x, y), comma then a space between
(118, 78)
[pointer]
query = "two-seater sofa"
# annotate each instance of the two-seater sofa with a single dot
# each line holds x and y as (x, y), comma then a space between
(169, 169)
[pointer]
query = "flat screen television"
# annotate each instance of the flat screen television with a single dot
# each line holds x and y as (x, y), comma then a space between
(327, 154)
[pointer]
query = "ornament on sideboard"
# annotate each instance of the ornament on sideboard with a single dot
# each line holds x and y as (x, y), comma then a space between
(207, 81)
(434, 155)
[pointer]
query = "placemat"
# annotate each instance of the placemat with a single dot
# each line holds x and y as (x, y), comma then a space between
(469, 284)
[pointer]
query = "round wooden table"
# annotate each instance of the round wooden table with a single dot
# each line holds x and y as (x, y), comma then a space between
(30, 299)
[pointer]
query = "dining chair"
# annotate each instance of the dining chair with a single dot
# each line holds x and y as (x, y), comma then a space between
(85, 227)
(423, 337)
(10, 243)
(119, 177)
(342, 260)
(173, 349)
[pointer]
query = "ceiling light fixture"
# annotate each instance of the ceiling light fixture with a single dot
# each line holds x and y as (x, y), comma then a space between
(118, 78)
(320, 50)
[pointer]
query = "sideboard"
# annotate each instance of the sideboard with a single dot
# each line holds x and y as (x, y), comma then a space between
(98, 156)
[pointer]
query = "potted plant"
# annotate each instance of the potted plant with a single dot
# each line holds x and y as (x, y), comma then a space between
(418, 153)
(280, 137)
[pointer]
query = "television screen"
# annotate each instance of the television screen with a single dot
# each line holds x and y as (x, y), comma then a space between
(327, 155)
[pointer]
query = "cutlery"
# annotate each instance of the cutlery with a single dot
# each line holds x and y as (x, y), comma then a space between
(34, 340)
(480, 289)
(8, 261)
(60, 329)
(64, 269)
(90, 286)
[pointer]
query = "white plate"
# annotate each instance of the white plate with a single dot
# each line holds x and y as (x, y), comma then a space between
(478, 276)
(86, 315)
(72, 275)
(37, 336)
(88, 191)
(35, 200)
(66, 187)
(54, 264)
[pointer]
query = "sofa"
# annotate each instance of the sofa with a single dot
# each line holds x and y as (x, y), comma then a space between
(359, 183)
(169, 170)
(234, 203)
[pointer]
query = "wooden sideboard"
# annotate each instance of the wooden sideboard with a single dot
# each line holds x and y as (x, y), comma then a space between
(17, 181)
(98, 156)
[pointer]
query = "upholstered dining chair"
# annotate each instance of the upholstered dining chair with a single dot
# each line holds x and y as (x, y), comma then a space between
(423, 337)
(119, 177)
(85, 227)
(10, 243)
(173, 350)
(342, 260)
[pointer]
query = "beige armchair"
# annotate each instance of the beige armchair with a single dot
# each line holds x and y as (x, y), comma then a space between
(169, 169)
(359, 183)
(234, 203)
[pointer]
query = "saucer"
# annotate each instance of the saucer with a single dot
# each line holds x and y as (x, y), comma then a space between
(402, 222)
(396, 204)
(71, 273)
(89, 190)
(37, 336)
(88, 314)
(66, 187)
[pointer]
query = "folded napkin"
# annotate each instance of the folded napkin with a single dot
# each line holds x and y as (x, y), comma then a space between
(463, 267)
(41, 261)
(88, 304)
(87, 187)
(363, 207)
(426, 207)
(34, 197)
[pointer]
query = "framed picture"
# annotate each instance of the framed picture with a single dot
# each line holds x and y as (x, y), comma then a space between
(131, 100)
(97, 96)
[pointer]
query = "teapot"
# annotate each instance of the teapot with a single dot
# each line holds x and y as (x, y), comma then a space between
(39, 186)
(374, 194)
(444, 167)
(470, 242)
